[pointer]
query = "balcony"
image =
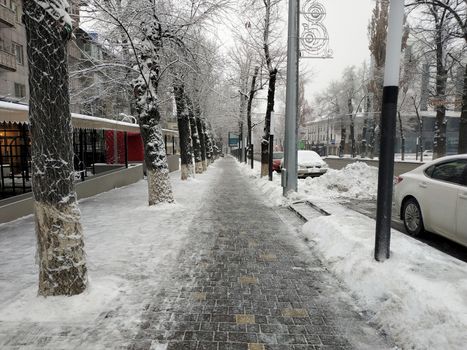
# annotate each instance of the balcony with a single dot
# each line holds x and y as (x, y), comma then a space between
(7, 61)
(7, 16)
(73, 50)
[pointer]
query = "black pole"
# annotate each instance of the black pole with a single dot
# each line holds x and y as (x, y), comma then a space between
(85, 153)
(125, 138)
(388, 130)
(240, 137)
(252, 153)
(271, 150)
(12, 170)
(165, 143)
(81, 155)
(386, 173)
(173, 144)
(93, 145)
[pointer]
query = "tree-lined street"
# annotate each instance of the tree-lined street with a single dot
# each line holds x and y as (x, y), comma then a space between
(219, 174)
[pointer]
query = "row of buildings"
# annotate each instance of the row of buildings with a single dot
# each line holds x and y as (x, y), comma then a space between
(84, 51)
(95, 141)
(325, 134)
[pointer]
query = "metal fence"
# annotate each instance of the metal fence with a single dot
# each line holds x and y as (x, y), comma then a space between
(15, 156)
(15, 159)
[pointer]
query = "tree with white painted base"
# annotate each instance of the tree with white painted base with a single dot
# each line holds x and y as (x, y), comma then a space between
(60, 246)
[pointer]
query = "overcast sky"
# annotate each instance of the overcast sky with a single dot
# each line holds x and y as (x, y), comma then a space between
(347, 22)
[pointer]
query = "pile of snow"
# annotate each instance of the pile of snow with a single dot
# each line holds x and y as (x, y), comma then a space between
(419, 295)
(271, 190)
(357, 180)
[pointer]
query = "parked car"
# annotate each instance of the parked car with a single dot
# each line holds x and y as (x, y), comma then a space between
(433, 197)
(428, 154)
(276, 161)
(310, 164)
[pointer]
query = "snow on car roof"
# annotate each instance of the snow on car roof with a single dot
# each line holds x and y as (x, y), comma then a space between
(308, 156)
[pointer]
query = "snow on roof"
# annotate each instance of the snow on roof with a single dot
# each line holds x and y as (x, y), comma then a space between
(18, 113)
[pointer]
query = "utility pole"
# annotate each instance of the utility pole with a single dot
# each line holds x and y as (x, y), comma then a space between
(315, 44)
(289, 173)
(388, 130)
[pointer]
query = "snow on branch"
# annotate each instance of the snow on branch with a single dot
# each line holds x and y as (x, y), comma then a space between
(57, 9)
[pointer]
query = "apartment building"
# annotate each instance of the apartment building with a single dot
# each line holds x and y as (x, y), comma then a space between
(13, 62)
(88, 94)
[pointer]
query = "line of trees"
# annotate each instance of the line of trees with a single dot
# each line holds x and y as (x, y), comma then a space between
(433, 76)
(257, 62)
(160, 54)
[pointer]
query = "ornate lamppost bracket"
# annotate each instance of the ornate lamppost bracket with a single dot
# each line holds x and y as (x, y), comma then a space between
(314, 37)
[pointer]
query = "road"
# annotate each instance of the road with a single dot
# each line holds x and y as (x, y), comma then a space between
(368, 208)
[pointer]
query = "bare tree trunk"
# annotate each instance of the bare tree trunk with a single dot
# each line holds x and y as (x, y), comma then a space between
(401, 129)
(145, 91)
(202, 140)
(364, 140)
(200, 133)
(267, 124)
(352, 137)
(439, 142)
(195, 139)
(353, 150)
(159, 187)
(196, 145)
(251, 96)
(209, 144)
(420, 127)
(183, 121)
(463, 118)
(206, 142)
(60, 246)
(342, 143)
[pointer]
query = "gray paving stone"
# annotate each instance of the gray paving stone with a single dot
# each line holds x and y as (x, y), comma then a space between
(241, 281)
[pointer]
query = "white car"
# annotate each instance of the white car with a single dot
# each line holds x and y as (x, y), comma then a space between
(428, 154)
(433, 197)
(310, 164)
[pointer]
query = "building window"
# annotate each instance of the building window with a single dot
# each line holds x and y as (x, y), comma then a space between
(18, 51)
(17, 9)
(20, 90)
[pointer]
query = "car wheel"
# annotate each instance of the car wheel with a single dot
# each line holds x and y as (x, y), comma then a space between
(412, 216)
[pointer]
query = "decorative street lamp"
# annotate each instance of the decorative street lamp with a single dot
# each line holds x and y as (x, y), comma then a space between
(312, 43)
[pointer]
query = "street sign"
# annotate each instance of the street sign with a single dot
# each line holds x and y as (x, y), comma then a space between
(234, 140)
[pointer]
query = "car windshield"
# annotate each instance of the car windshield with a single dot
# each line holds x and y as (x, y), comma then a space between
(308, 156)
(277, 155)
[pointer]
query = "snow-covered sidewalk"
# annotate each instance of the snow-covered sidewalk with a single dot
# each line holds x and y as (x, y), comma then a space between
(130, 248)
(419, 296)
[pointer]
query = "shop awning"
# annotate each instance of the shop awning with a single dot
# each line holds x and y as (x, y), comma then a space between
(18, 113)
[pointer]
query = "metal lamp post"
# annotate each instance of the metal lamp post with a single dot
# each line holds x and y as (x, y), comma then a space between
(314, 40)
(289, 173)
(388, 130)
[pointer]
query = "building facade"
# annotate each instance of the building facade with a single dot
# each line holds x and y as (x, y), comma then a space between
(13, 62)
(325, 133)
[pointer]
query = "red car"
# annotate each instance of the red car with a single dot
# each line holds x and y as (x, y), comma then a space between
(276, 161)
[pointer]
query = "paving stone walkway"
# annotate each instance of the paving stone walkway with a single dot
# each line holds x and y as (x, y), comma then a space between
(242, 283)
